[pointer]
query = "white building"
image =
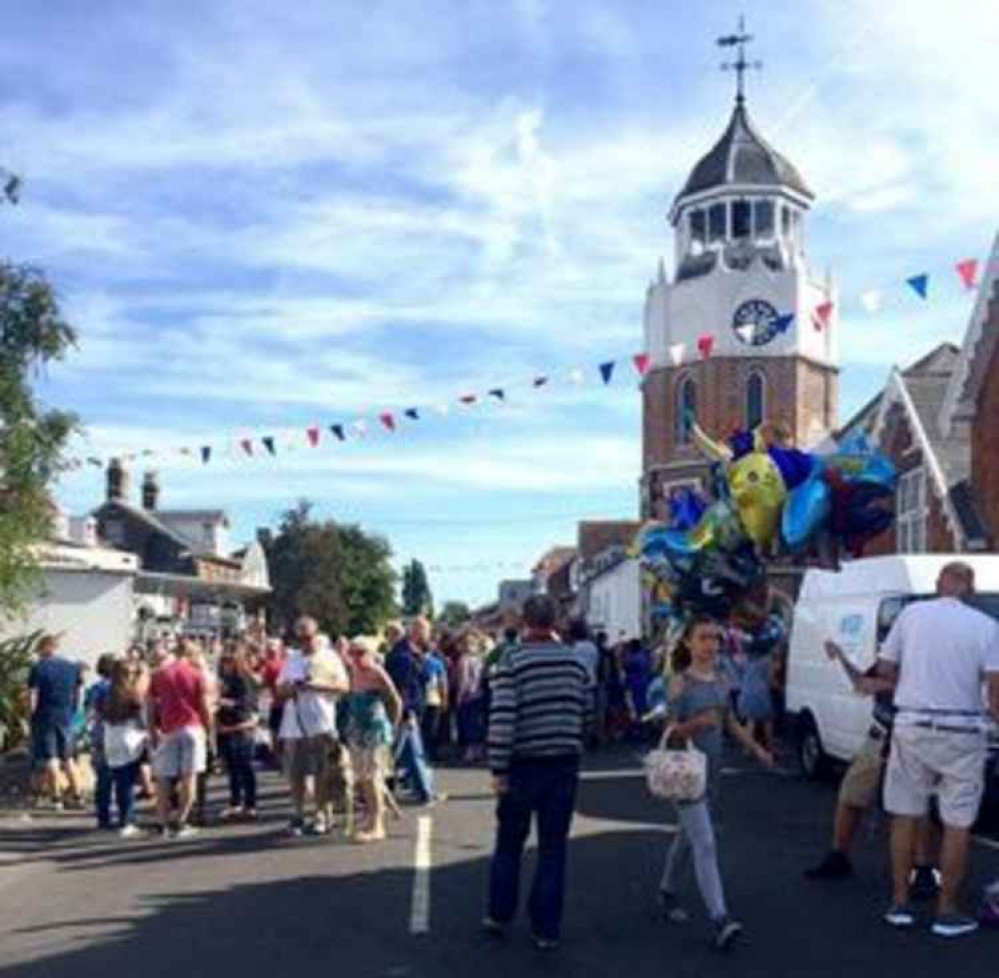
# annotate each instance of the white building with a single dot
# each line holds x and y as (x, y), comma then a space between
(615, 599)
(85, 593)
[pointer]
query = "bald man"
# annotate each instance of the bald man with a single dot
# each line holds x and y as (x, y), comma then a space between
(939, 653)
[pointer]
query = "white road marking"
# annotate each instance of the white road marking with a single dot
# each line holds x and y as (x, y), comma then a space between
(419, 914)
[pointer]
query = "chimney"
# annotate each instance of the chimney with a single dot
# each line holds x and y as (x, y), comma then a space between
(117, 476)
(150, 491)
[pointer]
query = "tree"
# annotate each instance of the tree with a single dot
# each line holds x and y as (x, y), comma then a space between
(32, 334)
(416, 596)
(339, 575)
(455, 614)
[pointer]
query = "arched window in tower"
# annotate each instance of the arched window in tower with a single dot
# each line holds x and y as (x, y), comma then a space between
(763, 219)
(717, 223)
(686, 408)
(756, 399)
(698, 230)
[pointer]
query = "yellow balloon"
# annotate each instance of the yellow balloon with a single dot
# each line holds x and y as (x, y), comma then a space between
(758, 492)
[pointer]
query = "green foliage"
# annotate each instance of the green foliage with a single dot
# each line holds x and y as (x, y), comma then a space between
(454, 614)
(15, 660)
(416, 596)
(339, 575)
(32, 334)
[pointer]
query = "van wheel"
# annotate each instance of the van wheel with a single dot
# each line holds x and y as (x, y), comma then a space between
(811, 756)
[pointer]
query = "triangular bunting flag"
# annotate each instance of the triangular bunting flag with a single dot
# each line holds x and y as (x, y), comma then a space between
(412, 413)
(920, 284)
(968, 270)
(576, 376)
(360, 427)
(746, 332)
(387, 419)
(705, 344)
(641, 362)
(540, 381)
(823, 313)
(468, 398)
(313, 435)
(247, 446)
(784, 323)
(206, 454)
(871, 300)
(185, 451)
(268, 441)
(676, 353)
(607, 370)
(338, 432)
(498, 393)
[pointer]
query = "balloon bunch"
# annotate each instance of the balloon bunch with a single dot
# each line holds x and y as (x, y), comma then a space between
(708, 555)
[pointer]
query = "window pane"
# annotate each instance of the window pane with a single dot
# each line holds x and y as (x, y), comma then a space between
(754, 401)
(740, 219)
(716, 222)
(785, 220)
(764, 218)
(686, 409)
(698, 226)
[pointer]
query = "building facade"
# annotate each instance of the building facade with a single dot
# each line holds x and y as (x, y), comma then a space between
(744, 331)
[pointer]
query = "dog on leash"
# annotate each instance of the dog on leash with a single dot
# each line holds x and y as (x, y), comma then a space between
(340, 790)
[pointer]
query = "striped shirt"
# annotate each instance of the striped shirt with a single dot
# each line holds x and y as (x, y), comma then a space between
(540, 704)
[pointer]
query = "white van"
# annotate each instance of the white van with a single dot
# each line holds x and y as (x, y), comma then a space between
(855, 607)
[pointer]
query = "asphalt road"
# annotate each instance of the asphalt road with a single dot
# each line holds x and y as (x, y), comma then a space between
(247, 901)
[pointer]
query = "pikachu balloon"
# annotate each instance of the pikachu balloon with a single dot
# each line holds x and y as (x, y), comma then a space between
(759, 493)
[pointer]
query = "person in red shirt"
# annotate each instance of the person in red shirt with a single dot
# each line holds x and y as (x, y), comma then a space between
(180, 718)
(274, 659)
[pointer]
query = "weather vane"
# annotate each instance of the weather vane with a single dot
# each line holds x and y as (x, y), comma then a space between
(740, 66)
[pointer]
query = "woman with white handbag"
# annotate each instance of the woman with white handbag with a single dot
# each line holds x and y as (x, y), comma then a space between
(698, 715)
(123, 715)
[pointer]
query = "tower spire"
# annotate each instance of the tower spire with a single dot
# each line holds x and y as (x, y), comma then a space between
(740, 66)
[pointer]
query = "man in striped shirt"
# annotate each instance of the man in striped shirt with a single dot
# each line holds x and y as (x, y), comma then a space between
(537, 725)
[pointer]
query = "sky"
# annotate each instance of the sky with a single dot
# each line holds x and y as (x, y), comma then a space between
(262, 217)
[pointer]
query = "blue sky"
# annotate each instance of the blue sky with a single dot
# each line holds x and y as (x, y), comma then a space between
(262, 216)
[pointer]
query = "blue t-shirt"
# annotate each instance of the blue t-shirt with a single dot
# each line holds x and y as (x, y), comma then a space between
(406, 672)
(57, 681)
(434, 680)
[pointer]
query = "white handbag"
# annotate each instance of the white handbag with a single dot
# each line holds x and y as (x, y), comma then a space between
(123, 743)
(676, 775)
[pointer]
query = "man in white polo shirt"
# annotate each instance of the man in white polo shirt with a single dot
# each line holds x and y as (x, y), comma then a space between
(940, 652)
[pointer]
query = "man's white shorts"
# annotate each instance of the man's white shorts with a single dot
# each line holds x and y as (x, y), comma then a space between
(948, 764)
(181, 753)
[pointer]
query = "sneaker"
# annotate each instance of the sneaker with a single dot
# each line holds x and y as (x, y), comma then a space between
(954, 925)
(75, 804)
(296, 826)
(231, 813)
(669, 906)
(544, 943)
(900, 915)
(835, 866)
(130, 832)
(248, 815)
(726, 933)
(186, 831)
(924, 883)
(493, 927)
(318, 826)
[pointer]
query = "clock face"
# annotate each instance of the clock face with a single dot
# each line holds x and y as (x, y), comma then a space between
(755, 322)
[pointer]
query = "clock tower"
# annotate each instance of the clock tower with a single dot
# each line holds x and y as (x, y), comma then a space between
(744, 332)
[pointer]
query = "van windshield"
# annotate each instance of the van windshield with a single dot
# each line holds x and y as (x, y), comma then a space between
(985, 601)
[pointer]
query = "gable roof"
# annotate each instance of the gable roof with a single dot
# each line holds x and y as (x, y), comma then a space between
(151, 520)
(976, 352)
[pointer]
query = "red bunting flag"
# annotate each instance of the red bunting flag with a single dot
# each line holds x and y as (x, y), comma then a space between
(968, 270)
(247, 445)
(705, 344)
(641, 362)
(823, 313)
(388, 420)
(313, 435)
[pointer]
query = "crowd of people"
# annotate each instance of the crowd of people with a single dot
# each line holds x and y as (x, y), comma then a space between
(355, 723)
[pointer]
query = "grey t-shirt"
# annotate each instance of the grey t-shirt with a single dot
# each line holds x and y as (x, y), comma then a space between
(694, 697)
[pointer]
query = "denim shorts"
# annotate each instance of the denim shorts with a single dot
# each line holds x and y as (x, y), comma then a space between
(51, 741)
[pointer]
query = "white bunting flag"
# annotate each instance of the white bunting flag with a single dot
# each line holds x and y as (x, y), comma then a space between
(360, 428)
(676, 352)
(871, 300)
(442, 409)
(576, 376)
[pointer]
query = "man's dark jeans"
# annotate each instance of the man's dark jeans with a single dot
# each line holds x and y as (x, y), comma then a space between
(237, 755)
(545, 788)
